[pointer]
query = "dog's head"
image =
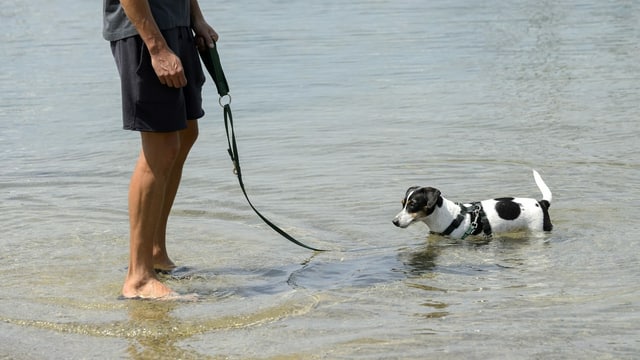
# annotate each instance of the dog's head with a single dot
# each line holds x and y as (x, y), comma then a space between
(418, 203)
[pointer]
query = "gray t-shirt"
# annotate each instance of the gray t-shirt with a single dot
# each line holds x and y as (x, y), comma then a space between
(167, 13)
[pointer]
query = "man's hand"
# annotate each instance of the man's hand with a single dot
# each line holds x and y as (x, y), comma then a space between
(205, 35)
(165, 63)
(168, 68)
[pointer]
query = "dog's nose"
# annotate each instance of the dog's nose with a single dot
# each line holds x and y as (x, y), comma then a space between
(396, 222)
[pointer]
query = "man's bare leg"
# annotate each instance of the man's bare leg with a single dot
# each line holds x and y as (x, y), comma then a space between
(146, 197)
(188, 136)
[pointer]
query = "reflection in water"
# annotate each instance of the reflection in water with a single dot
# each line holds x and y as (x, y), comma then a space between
(155, 332)
(423, 261)
(151, 330)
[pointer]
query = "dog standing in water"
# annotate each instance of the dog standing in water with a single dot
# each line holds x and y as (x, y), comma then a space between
(487, 217)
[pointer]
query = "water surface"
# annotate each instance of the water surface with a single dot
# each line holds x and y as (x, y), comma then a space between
(339, 107)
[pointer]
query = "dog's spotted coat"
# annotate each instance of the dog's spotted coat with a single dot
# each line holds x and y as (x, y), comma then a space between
(499, 215)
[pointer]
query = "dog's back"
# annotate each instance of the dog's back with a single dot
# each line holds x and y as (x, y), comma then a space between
(511, 214)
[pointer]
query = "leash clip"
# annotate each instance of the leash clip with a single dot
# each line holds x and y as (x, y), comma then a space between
(475, 215)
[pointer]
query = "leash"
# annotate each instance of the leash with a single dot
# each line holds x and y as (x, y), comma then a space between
(211, 61)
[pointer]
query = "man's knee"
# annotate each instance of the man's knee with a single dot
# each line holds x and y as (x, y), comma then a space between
(189, 135)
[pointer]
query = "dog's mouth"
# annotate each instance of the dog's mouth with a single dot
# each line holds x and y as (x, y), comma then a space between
(403, 220)
(400, 225)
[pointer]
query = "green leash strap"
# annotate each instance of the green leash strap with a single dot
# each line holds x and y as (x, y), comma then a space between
(211, 61)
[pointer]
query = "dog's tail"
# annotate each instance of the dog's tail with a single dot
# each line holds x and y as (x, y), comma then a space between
(546, 193)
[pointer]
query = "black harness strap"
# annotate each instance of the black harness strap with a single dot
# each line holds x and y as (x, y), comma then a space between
(456, 222)
(211, 61)
(479, 221)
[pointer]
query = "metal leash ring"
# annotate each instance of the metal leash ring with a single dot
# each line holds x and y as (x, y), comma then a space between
(223, 97)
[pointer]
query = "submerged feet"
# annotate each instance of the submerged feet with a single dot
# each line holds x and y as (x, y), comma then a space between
(153, 289)
(147, 288)
(161, 260)
(164, 266)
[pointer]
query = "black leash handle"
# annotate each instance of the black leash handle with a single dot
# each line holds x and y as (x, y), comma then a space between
(211, 61)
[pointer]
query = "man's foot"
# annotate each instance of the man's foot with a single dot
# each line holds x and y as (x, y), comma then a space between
(172, 296)
(163, 264)
(149, 289)
(164, 269)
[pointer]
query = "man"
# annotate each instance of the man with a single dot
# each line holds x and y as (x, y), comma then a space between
(155, 51)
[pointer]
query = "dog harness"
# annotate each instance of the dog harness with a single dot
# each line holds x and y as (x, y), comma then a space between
(479, 221)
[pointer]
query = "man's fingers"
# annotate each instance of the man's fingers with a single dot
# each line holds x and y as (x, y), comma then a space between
(183, 80)
(200, 43)
(175, 81)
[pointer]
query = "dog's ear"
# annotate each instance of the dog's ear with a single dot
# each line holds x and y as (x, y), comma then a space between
(433, 197)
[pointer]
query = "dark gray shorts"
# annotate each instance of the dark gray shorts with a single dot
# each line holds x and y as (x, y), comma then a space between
(147, 105)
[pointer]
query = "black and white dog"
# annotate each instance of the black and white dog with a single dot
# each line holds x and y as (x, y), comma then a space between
(445, 217)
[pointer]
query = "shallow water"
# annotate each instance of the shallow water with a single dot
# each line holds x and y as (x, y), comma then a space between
(339, 107)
